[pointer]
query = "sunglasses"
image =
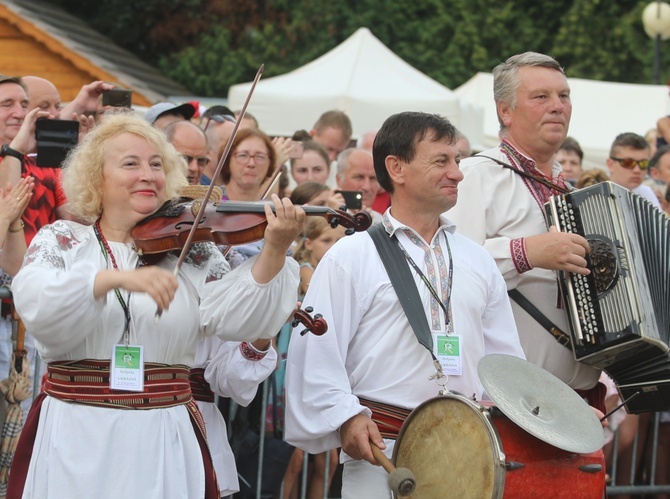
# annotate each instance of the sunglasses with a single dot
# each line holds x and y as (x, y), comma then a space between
(219, 118)
(202, 161)
(629, 163)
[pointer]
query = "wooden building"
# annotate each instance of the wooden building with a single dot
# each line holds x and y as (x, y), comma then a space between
(40, 39)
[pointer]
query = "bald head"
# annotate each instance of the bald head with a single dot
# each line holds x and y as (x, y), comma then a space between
(42, 94)
(189, 140)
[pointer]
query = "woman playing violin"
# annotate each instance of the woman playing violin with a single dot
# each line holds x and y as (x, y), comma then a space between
(117, 415)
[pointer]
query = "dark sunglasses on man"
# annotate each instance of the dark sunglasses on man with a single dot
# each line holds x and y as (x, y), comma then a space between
(219, 118)
(203, 161)
(629, 163)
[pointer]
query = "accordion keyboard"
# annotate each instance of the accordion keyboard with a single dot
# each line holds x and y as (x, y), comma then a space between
(612, 307)
(579, 299)
(619, 313)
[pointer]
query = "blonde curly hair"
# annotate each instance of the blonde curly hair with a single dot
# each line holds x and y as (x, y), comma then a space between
(83, 169)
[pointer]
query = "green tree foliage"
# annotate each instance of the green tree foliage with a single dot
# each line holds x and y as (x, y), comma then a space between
(208, 45)
(605, 40)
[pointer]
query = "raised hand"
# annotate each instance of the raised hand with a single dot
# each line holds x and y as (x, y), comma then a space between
(14, 199)
(86, 124)
(87, 99)
(284, 224)
(282, 146)
(24, 141)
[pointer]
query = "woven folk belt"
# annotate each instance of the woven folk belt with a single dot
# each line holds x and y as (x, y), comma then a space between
(87, 382)
(389, 418)
(199, 386)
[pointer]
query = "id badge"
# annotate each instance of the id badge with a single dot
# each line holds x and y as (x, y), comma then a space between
(127, 369)
(448, 352)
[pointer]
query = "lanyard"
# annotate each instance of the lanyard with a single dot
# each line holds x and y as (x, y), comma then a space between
(107, 253)
(446, 305)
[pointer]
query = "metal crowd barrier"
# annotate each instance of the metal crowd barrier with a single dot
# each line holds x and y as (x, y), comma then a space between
(303, 479)
(644, 461)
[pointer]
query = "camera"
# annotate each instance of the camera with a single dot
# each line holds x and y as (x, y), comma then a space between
(352, 199)
(54, 139)
(117, 98)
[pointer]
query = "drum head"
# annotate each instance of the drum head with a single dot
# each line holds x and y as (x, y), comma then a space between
(540, 403)
(453, 450)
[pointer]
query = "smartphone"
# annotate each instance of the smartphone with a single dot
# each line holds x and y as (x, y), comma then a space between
(117, 97)
(55, 138)
(353, 199)
(296, 151)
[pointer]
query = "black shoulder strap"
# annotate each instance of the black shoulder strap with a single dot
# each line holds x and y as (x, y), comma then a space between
(536, 178)
(542, 319)
(403, 284)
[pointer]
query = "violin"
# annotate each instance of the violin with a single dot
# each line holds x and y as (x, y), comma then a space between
(226, 223)
(316, 325)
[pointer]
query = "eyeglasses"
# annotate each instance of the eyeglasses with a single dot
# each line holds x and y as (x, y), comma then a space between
(219, 118)
(629, 163)
(260, 158)
(202, 161)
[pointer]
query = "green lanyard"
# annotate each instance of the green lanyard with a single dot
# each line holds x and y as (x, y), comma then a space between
(446, 306)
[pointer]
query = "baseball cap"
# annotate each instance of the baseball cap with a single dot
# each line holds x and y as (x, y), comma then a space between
(154, 112)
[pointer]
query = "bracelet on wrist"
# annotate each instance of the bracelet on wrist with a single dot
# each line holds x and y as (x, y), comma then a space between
(19, 228)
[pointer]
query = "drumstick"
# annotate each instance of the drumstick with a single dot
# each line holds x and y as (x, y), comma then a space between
(401, 480)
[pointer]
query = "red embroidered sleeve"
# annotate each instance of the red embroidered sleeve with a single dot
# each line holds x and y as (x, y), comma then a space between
(250, 352)
(519, 256)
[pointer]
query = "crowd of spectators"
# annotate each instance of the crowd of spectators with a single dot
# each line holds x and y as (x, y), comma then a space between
(327, 165)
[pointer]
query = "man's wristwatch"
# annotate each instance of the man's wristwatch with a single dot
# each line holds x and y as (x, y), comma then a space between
(5, 150)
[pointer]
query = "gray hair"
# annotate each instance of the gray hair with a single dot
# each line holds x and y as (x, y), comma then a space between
(506, 79)
(343, 160)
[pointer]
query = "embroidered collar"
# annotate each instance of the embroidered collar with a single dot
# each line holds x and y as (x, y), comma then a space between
(391, 225)
(540, 192)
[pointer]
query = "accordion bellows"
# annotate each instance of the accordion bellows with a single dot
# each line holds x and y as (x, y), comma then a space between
(620, 313)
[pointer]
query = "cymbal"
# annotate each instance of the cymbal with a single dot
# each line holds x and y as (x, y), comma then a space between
(540, 403)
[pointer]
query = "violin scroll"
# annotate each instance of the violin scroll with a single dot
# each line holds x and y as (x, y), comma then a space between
(316, 325)
(353, 223)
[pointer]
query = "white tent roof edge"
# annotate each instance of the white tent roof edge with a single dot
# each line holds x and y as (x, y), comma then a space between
(361, 77)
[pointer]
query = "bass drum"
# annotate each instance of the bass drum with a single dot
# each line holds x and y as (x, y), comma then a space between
(458, 448)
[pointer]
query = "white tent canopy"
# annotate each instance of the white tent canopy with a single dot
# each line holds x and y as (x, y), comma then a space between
(600, 111)
(361, 77)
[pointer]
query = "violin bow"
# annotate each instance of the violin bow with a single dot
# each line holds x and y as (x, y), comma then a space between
(275, 178)
(217, 172)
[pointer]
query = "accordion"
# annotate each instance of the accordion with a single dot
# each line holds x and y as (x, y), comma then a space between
(620, 313)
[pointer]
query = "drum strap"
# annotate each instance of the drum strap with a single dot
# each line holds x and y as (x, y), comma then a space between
(402, 281)
(542, 319)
